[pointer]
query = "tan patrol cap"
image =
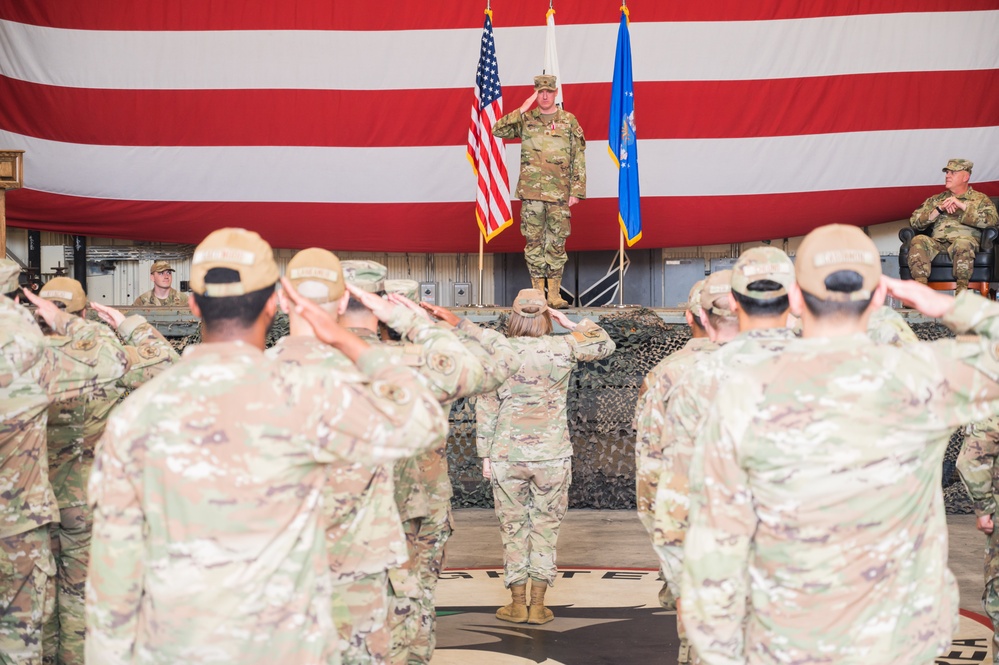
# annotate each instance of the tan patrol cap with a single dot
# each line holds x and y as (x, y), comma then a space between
(317, 275)
(761, 263)
(959, 165)
(237, 249)
(366, 275)
(10, 274)
(161, 266)
(530, 298)
(694, 298)
(714, 293)
(409, 288)
(832, 248)
(66, 290)
(545, 82)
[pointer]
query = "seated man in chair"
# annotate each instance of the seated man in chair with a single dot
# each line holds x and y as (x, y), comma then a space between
(957, 216)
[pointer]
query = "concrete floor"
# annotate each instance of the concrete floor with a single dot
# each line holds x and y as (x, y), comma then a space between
(615, 538)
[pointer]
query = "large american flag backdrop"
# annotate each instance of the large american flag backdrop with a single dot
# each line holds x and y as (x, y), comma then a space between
(344, 124)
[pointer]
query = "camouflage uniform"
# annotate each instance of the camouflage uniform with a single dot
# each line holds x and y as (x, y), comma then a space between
(552, 168)
(454, 363)
(148, 299)
(958, 234)
(209, 535)
(522, 429)
(797, 514)
(980, 473)
(363, 534)
(74, 426)
(32, 375)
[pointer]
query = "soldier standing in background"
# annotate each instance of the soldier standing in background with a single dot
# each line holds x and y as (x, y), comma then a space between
(957, 216)
(34, 375)
(552, 179)
(454, 361)
(162, 294)
(980, 474)
(209, 532)
(828, 455)
(364, 538)
(522, 434)
(74, 426)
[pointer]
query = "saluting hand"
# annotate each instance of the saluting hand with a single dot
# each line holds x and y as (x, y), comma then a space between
(108, 314)
(379, 306)
(45, 308)
(529, 103)
(921, 297)
(562, 319)
(442, 313)
(403, 301)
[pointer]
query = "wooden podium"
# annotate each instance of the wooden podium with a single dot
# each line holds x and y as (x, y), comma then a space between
(11, 177)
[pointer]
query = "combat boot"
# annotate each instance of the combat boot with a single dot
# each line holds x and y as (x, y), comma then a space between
(555, 295)
(516, 611)
(538, 283)
(537, 613)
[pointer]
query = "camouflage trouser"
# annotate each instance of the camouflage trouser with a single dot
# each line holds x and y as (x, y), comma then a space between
(360, 613)
(990, 597)
(27, 595)
(923, 249)
(545, 227)
(403, 613)
(65, 631)
(686, 655)
(426, 538)
(531, 499)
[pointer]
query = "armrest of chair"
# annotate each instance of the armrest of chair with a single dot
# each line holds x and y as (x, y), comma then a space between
(906, 234)
(989, 237)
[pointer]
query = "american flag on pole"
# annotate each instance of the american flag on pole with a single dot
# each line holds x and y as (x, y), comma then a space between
(485, 151)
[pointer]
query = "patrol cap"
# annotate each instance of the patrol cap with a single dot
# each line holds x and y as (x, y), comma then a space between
(161, 266)
(694, 298)
(530, 299)
(545, 82)
(236, 249)
(761, 263)
(66, 290)
(10, 273)
(959, 165)
(366, 275)
(317, 275)
(714, 293)
(835, 247)
(405, 287)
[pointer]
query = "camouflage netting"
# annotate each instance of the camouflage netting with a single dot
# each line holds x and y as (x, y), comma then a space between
(602, 398)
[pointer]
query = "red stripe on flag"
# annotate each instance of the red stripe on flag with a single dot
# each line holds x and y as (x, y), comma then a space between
(688, 109)
(444, 227)
(409, 15)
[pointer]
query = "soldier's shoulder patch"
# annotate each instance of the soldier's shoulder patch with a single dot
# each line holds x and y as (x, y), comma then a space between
(391, 391)
(442, 363)
(84, 344)
(587, 334)
(149, 351)
(577, 130)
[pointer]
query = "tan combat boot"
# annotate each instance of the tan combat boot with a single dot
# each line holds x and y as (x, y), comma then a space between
(555, 295)
(538, 613)
(538, 283)
(516, 611)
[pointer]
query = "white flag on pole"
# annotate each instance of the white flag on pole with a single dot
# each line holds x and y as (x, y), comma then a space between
(551, 55)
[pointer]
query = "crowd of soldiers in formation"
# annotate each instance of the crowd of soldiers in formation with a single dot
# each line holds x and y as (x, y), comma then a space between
(292, 505)
(788, 469)
(243, 506)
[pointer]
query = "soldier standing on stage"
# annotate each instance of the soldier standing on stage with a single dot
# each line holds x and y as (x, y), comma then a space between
(552, 179)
